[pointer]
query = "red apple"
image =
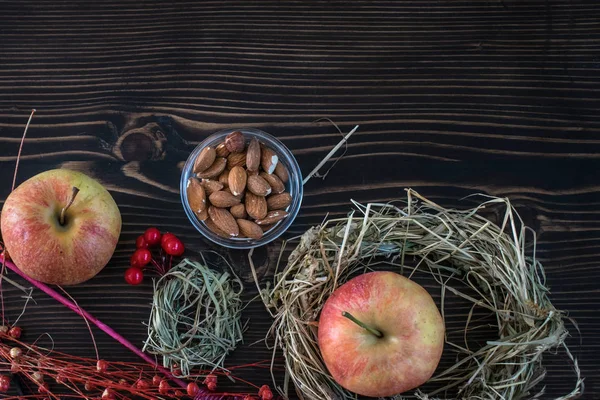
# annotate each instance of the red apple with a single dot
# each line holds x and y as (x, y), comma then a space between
(381, 334)
(60, 250)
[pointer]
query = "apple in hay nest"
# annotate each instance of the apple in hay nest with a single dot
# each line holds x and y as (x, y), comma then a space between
(380, 334)
(60, 227)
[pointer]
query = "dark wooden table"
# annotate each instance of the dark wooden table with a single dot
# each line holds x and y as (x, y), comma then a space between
(452, 98)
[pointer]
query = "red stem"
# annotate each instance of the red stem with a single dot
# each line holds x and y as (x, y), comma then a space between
(107, 329)
(158, 268)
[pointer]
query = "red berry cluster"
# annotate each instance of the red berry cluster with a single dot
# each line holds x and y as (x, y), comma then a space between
(170, 246)
(15, 332)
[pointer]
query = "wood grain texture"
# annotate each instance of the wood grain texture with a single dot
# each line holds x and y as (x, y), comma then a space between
(453, 98)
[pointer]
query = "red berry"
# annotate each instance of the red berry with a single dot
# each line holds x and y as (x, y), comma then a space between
(156, 380)
(192, 389)
(152, 236)
(134, 276)
(15, 332)
(4, 388)
(265, 393)
(164, 384)
(166, 237)
(210, 378)
(212, 386)
(140, 242)
(142, 384)
(174, 247)
(4, 380)
(101, 366)
(15, 368)
(141, 258)
(163, 387)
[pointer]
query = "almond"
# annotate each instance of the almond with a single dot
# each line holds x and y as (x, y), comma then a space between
(211, 186)
(224, 178)
(273, 180)
(237, 180)
(235, 142)
(215, 169)
(238, 196)
(256, 206)
(282, 172)
(223, 199)
(265, 228)
(253, 155)
(258, 185)
(224, 220)
(279, 201)
(268, 160)
(222, 151)
(197, 198)
(249, 229)
(236, 159)
(205, 159)
(272, 217)
(238, 211)
(211, 225)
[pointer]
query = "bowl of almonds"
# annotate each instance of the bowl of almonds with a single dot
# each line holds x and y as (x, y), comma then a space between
(241, 188)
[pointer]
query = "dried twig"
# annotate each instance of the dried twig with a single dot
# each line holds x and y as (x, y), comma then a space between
(329, 155)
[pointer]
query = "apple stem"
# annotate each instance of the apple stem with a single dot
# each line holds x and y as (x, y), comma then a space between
(65, 208)
(362, 324)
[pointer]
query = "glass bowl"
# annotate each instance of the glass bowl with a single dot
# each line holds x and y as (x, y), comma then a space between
(293, 186)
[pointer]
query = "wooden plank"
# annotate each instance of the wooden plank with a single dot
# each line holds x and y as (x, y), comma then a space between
(453, 98)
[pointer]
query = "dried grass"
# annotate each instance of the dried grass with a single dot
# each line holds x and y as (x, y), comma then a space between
(196, 317)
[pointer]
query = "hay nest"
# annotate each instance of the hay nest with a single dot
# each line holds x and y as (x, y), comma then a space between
(486, 264)
(196, 316)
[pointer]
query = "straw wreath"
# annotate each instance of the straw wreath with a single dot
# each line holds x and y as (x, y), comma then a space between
(196, 316)
(458, 249)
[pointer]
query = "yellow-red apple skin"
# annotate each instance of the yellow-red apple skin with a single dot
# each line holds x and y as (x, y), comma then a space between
(47, 251)
(413, 335)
